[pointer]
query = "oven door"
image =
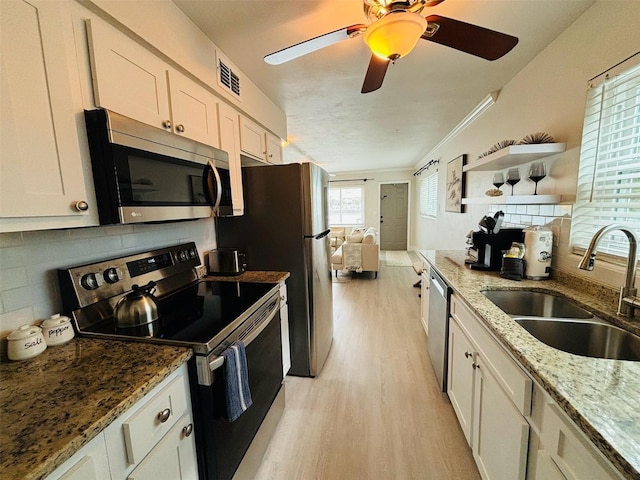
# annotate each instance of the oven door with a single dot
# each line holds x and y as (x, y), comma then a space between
(222, 444)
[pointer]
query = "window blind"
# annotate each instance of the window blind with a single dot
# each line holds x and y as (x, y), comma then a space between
(609, 173)
(429, 196)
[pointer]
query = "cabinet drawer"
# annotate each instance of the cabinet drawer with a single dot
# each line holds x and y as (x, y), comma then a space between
(153, 420)
(571, 453)
(513, 380)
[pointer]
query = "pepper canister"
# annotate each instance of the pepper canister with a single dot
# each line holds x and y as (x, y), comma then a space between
(57, 330)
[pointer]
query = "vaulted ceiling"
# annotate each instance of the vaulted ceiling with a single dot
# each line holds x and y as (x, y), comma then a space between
(424, 95)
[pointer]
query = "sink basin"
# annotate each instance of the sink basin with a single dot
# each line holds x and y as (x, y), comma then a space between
(589, 339)
(525, 303)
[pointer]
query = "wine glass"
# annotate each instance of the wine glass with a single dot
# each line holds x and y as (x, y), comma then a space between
(536, 173)
(513, 177)
(498, 179)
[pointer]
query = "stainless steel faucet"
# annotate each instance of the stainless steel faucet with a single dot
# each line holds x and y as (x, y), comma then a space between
(628, 301)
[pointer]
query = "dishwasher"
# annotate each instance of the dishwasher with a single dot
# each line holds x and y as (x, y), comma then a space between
(439, 293)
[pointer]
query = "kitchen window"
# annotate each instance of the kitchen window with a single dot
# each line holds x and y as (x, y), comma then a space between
(346, 205)
(609, 172)
(429, 196)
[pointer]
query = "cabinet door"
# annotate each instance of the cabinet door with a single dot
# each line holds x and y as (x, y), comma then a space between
(127, 78)
(461, 377)
(274, 149)
(228, 121)
(252, 139)
(193, 110)
(88, 463)
(41, 173)
(173, 457)
(500, 433)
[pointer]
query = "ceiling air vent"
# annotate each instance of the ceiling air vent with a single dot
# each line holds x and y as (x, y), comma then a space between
(228, 78)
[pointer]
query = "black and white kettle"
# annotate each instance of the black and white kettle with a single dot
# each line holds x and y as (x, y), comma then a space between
(139, 307)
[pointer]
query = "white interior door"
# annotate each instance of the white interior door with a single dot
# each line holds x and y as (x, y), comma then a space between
(394, 207)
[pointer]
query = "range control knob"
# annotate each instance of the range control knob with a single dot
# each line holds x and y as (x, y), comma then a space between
(183, 255)
(112, 275)
(91, 281)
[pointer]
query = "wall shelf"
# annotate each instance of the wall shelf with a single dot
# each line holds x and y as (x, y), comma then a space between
(520, 200)
(515, 155)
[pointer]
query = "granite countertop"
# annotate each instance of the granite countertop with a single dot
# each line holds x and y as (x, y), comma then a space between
(601, 396)
(53, 404)
(251, 276)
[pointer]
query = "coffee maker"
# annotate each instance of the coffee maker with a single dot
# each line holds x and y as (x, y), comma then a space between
(486, 249)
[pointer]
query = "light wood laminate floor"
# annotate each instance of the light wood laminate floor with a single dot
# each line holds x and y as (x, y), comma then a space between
(375, 411)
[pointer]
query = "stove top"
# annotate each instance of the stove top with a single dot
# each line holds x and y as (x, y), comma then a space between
(195, 315)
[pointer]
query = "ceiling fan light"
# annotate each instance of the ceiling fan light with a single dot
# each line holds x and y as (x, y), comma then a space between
(395, 35)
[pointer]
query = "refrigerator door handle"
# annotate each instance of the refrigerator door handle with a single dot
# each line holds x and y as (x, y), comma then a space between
(319, 235)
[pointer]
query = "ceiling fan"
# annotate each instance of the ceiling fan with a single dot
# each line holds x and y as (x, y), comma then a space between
(395, 29)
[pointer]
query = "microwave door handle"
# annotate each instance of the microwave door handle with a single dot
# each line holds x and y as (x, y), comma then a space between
(216, 203)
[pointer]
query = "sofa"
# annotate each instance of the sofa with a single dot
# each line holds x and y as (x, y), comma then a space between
(360, 252)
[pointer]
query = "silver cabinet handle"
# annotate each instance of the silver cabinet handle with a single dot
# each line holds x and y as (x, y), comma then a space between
(81, 206)
(468, 354)
(167, 124)
(475, 365)
(180, 128)
(164, 415)
(188, 430)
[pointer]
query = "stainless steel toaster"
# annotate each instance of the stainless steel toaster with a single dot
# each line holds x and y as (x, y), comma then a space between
(227, 261)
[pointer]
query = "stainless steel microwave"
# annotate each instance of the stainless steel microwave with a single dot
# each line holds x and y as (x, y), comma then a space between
(144, 174)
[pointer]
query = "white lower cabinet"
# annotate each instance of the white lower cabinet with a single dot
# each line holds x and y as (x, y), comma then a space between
(173, 457)
(500, 432)
(488, 392)
(157, 424)
(461, 377)
(88, 463)
(515, 429)
(151, 440)
(564, 452)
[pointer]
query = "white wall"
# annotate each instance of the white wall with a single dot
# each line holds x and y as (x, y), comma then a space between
(29, 261)
(372, 189)
(547, 95)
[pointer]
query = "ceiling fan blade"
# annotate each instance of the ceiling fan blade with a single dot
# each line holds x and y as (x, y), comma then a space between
(468, 38)
(375, 74)
(313, 44)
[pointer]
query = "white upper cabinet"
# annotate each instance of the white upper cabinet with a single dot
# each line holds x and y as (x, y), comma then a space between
(193, 110)
(132, 81)
(230, 142)
(274, 149)
(256, 142)
(41, 169)
(253, 139)
(127, 78)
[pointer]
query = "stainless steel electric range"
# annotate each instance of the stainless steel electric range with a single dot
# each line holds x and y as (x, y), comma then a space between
(207, 316)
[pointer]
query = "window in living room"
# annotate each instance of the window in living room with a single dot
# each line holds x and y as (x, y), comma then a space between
(346, 205)
(429, 196)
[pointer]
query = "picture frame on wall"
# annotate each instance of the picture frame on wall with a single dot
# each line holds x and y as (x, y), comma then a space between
(455, 185)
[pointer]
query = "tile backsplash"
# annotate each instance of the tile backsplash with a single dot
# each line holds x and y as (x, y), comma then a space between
(528, 215)
(29, 261)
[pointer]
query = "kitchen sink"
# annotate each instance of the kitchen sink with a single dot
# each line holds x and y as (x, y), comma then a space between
(589, 339)
(526, 303)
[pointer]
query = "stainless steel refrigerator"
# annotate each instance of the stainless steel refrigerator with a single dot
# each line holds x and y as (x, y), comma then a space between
(285, 227)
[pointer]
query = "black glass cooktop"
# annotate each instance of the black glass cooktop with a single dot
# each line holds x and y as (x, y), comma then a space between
(195, 314)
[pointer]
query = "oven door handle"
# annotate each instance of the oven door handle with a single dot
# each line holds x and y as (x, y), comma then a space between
(263, 324)
(206, 377)
(216, 363)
